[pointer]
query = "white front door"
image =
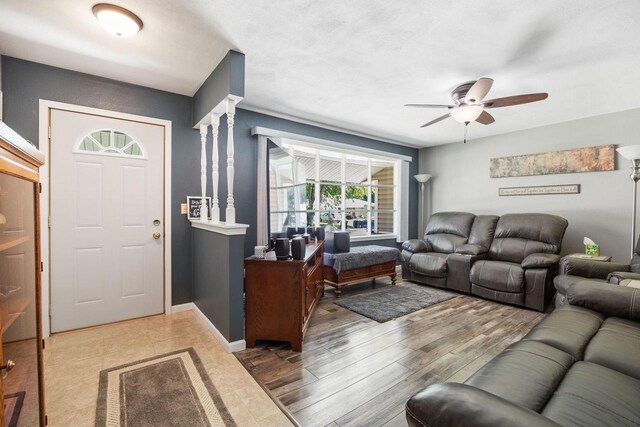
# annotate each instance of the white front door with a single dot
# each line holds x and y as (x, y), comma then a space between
(107, 225)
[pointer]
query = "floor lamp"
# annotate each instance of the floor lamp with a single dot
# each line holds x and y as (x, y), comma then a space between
(422, 179)
(632, 152)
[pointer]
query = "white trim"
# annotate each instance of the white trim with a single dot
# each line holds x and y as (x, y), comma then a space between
(403, 143)
(230, 347)
(181, 307)
(402, 202)
(43, 137)
(263, 190)
(220, 227)
(322, 144)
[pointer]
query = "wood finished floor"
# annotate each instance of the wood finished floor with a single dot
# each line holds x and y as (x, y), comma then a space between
(354, 371)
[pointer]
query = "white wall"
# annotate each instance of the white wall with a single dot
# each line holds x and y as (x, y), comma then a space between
(603, 209)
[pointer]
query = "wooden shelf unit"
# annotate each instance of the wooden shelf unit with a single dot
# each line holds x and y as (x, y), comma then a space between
(280, 296)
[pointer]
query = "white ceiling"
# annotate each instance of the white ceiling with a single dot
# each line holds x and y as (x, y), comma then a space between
(353, 64)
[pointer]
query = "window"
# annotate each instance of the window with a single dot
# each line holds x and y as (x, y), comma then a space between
(110, 141)
(311, 186)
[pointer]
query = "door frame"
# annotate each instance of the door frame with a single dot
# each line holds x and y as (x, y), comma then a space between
(45, 108)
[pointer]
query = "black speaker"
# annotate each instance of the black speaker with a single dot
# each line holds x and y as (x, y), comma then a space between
(298, 248)
(282, 248)
(341, 242)
(291, 231)
(319, 233)
(307, 239)
(310, 232)
(274, 237)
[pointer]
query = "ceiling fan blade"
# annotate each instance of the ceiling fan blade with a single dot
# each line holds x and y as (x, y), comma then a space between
(478, 91)
(515, 100)
(485, 118)
(439, 119)
(429, 105)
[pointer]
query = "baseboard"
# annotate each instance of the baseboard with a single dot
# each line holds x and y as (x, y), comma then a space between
(182, 307)
(230, 347)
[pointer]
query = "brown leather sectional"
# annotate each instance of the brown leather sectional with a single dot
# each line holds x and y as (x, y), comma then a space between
(578, 367)
(512, 258)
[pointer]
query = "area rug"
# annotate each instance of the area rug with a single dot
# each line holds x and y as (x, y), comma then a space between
(13, 405)
(170, 390)
(392, 302)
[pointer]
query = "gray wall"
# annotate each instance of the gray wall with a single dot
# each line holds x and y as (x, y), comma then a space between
(227, 78)
(603, 209)
(25, 83)
(218, 285)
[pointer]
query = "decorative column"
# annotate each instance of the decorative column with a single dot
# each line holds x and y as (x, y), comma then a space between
(231, 210)
(203, 172)
(215, 208)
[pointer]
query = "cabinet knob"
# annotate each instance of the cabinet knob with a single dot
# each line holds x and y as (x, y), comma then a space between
(9, 366)
(306, 289)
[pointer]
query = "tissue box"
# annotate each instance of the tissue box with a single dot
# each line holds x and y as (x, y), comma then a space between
(592, 250)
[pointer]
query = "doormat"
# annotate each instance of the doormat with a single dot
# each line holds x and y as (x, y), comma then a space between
(170, 390)
(392, 302)
(13, 405)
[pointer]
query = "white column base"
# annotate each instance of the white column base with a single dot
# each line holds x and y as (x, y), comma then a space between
(231, 215)
(215, 215)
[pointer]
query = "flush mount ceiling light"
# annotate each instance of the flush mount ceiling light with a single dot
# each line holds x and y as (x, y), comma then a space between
(117, 20)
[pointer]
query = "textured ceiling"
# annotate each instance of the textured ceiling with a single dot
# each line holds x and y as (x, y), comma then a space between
(353, 64)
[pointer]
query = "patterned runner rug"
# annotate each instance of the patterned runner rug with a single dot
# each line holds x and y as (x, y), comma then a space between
(168, 390)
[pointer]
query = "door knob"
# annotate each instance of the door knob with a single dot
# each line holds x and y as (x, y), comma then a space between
(9, 366)
(156, 236)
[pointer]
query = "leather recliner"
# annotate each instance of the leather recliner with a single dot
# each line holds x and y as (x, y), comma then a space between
(573, 270)
(522, 260)
(578, 367)
(434, 261)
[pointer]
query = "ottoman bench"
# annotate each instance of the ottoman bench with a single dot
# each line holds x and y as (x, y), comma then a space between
(359, 264)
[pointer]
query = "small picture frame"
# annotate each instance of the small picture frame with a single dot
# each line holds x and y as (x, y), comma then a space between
(194, 203)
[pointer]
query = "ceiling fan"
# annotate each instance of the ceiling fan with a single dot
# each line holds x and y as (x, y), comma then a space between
(469, 104)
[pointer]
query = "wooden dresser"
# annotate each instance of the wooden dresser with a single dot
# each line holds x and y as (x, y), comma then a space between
(281, 295)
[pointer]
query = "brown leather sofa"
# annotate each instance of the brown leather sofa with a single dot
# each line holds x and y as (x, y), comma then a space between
(522, 261)
(452, 242)
(574, 269)
(510, 259)
(578, 367)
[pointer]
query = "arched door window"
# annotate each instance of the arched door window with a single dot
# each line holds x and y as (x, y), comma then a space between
(110, 142)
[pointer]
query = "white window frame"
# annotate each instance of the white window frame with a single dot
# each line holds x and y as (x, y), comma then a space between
(400, 185)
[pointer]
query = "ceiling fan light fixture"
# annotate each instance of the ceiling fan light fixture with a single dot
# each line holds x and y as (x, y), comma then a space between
(466, 113)
(117, 20)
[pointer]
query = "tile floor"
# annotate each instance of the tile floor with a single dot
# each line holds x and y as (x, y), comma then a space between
(73, 361)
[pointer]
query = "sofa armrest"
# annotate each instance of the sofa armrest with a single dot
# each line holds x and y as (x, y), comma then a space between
(416, 245)
(470, 249)
(618, 276)
(610, 300)
(540, 260)
(589, 269)
(460, 405)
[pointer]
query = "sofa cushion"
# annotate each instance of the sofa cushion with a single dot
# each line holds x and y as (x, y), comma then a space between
(616, 346)
(592, 395)
(526, 373)
(567, 328)
(519, 235)
(433, 264)
(498, 275)
(447, 230)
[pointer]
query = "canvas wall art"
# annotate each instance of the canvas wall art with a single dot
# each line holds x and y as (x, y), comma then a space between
(588, 159)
